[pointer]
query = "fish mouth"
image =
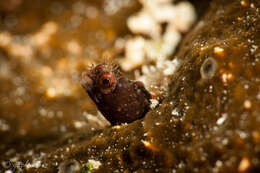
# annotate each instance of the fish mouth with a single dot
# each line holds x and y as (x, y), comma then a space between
(86, 81)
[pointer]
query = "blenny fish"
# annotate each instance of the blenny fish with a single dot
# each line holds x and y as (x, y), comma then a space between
(119, 99)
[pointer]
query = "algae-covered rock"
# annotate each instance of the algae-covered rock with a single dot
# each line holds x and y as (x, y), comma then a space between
(205, 124)
(209, 120)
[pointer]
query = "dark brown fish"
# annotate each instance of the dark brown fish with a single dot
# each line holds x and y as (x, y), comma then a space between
(119, 99)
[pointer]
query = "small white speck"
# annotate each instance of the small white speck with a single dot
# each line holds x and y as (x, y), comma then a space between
(34, 164)
(247, 104)
(219, 163)
(30, 152)
(210, 88)
(78, 124)
(4, 126)
(242, 135)
(246, 86)
(50, 114)
(258, 96)
(63, 128)
(59, 114)
(222, 119)
(225, 141)
(154, 103)
(252, 5)
(253, 49)
(43, 112)
(96, 164)
(8, 171)
(175, 112)
(218, 50)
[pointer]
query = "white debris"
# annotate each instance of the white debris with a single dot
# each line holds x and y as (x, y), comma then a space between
(8, 171)
(163, 13)
(154, 103)
(4, 126)
(218, 50)
(71, 165)
(134, 53)
(98, 121)
(34, 164)
(73, 47)
(168, 67)
(175, 112)
(185, 17)
(219, 163)
(171, 40)
(79, 124)
(142, 23)
(5, 39)
(222, 119)
(258, 96)
(242, 134)
(91, 12)
(5, 69)
(149, 21)
(244, 164)
(111, 7)
(157, 75)
(95, 163)
(41, 37)
(117, 127)
(247, 104)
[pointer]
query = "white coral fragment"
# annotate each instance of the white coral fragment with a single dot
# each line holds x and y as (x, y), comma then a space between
(157, 75)
(186, 16)
(154, 103)
(149, 21)
(135, 55)
(144, 24)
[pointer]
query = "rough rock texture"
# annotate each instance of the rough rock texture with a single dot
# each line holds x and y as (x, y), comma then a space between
(204, 124)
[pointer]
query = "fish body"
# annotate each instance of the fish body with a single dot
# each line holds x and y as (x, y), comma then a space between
(119, 99)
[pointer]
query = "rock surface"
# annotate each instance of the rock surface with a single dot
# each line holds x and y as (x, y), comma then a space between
(204, 124)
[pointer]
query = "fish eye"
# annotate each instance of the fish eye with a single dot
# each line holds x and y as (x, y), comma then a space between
(106, 81)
